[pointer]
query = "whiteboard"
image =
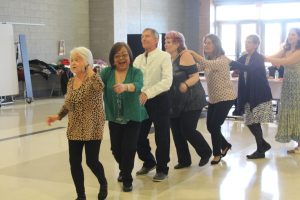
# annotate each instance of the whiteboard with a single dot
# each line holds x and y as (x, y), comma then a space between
(8, 65)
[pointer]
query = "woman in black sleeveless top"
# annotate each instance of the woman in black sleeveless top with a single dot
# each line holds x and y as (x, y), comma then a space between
(187, 101)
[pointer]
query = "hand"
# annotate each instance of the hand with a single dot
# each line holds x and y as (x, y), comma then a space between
(183, 88)
(90, 71)
(191, 52)
(51, 119)
(196, 55)
(270, 60)
(119, 88)
(143, 98)
(183, 51)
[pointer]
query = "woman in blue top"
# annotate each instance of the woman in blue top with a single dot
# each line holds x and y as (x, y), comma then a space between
(254, 93)
(123, 84)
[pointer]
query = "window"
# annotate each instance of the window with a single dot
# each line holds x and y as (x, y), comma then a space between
(292, 25)
(271, 21)
(236, 12)
(228, 37)
(280, 11)
(272, 38)
(258, 11)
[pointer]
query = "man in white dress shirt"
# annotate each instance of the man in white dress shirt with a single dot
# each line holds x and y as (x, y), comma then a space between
(156, 66)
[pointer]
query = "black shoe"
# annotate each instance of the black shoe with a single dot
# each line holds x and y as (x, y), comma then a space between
(180, 166)
(120, 178)
(203, 161)
(159, 176)
(127, 188)
(226, 150)
(80, 198)
(103, 192)
(266, 147)
(214, 162)
(256, 155)
(144, 170)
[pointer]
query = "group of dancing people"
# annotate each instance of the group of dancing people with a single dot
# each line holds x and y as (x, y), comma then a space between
(163, 88)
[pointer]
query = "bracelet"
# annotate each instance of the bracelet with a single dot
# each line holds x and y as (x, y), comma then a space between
(127, 87)
(186, 85)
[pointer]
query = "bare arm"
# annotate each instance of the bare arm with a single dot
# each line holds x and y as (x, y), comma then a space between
(291, 59)
(198, 58)
(279, 54)
(187, 60)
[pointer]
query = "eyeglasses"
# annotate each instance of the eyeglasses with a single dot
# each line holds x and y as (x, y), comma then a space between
(119, 56)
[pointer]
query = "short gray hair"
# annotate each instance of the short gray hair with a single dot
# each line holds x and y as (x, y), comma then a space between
(85, 53)
(254, 39)
(153, 31)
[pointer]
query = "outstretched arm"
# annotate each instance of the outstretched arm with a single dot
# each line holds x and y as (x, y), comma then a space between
(291, 59)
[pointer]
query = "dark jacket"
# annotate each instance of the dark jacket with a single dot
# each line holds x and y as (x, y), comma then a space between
(255, 90)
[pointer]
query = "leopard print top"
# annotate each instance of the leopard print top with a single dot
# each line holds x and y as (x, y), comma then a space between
(84, 107)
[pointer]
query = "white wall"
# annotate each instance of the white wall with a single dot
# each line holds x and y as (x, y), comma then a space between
(8, 69)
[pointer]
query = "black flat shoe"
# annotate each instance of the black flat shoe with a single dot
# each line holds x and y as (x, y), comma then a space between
(103, 192)
(226, 150)
(80, 198)
(204, 161)
(127, 188)
(180, 166)
(256, 155)
(214, 162)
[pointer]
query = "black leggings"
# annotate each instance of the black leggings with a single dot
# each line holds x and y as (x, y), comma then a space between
(258, 134)
(92, 149)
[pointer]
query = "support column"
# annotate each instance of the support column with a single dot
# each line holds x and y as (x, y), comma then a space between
(206, 17)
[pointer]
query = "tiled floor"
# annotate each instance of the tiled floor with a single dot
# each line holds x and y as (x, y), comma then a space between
(35, 166)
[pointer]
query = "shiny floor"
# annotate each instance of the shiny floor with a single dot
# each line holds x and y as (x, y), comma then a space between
(34, 164)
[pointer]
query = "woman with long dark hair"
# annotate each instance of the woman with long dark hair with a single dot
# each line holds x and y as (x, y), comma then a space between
(220, 92)
(289, 110)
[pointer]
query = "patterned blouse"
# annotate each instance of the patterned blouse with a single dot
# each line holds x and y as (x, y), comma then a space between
(84, 107)
(217, 74)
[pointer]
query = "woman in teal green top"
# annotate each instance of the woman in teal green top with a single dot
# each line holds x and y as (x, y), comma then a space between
(123, 84)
